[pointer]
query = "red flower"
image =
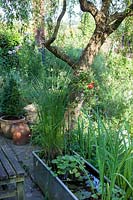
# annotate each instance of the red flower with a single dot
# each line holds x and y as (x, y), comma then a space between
(90, 85)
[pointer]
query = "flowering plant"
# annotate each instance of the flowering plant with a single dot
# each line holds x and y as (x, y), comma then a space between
(91, 85)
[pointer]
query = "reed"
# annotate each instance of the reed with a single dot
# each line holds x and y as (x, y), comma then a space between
(111, 151)
(51, 96)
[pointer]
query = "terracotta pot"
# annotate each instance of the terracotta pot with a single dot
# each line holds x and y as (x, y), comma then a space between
(15, 128)
(21, 134)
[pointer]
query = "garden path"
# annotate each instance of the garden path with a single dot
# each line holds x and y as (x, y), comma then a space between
(24, 156)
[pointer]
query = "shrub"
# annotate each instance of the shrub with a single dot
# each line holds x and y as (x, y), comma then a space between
(9, 42)
(113, 94)
(30, 61)
(11, 101)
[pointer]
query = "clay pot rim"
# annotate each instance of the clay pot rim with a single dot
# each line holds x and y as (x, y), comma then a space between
(14, 121)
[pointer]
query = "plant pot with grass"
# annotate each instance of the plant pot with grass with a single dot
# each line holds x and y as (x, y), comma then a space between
(13, 123)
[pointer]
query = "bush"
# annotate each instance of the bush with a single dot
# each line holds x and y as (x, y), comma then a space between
(30, 60)
(114, 86)
(9, 42)
(11, 99)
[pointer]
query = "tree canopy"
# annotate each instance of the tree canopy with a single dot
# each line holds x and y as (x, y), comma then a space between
(107, 14)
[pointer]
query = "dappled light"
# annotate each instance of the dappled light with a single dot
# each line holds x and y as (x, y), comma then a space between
(66, 100)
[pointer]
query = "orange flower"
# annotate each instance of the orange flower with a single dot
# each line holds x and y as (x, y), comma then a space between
(90, 85)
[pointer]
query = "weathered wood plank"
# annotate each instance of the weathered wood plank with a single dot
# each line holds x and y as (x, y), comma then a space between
(3, 174)
(11, 172)
(6, 165)
(20, 191)
(7, 194)
(12, 180)
(13, 160)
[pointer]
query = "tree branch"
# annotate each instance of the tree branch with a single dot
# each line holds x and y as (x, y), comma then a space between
(61, 55)
(104, 24)
(120, 15)
(55, 50)
(105, 6)
(115, 25)
(87, 6)
(55, 33)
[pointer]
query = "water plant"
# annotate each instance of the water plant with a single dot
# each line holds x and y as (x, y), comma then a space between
(71, 166)
(51, 98)
(111, 151)
(73, 171)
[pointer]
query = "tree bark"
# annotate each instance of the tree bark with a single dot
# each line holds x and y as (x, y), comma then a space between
(38, 15)
(91, 50)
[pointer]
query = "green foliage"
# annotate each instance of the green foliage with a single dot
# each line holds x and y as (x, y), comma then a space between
(124, 38)
(51, 98)
(30, 61)
(86, 28)
(114, 87)
(55, 64)
(15, 10)
(11, 99)
(9, 41)
(82, 139)
(70, 166)
(111, 152)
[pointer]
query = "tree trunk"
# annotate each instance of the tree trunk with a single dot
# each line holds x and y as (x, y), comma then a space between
(86, 60)
(38, 17)
(38, 14)
(106, 24)
(91, 50)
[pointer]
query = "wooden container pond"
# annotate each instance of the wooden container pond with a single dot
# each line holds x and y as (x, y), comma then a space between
(52, 186)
